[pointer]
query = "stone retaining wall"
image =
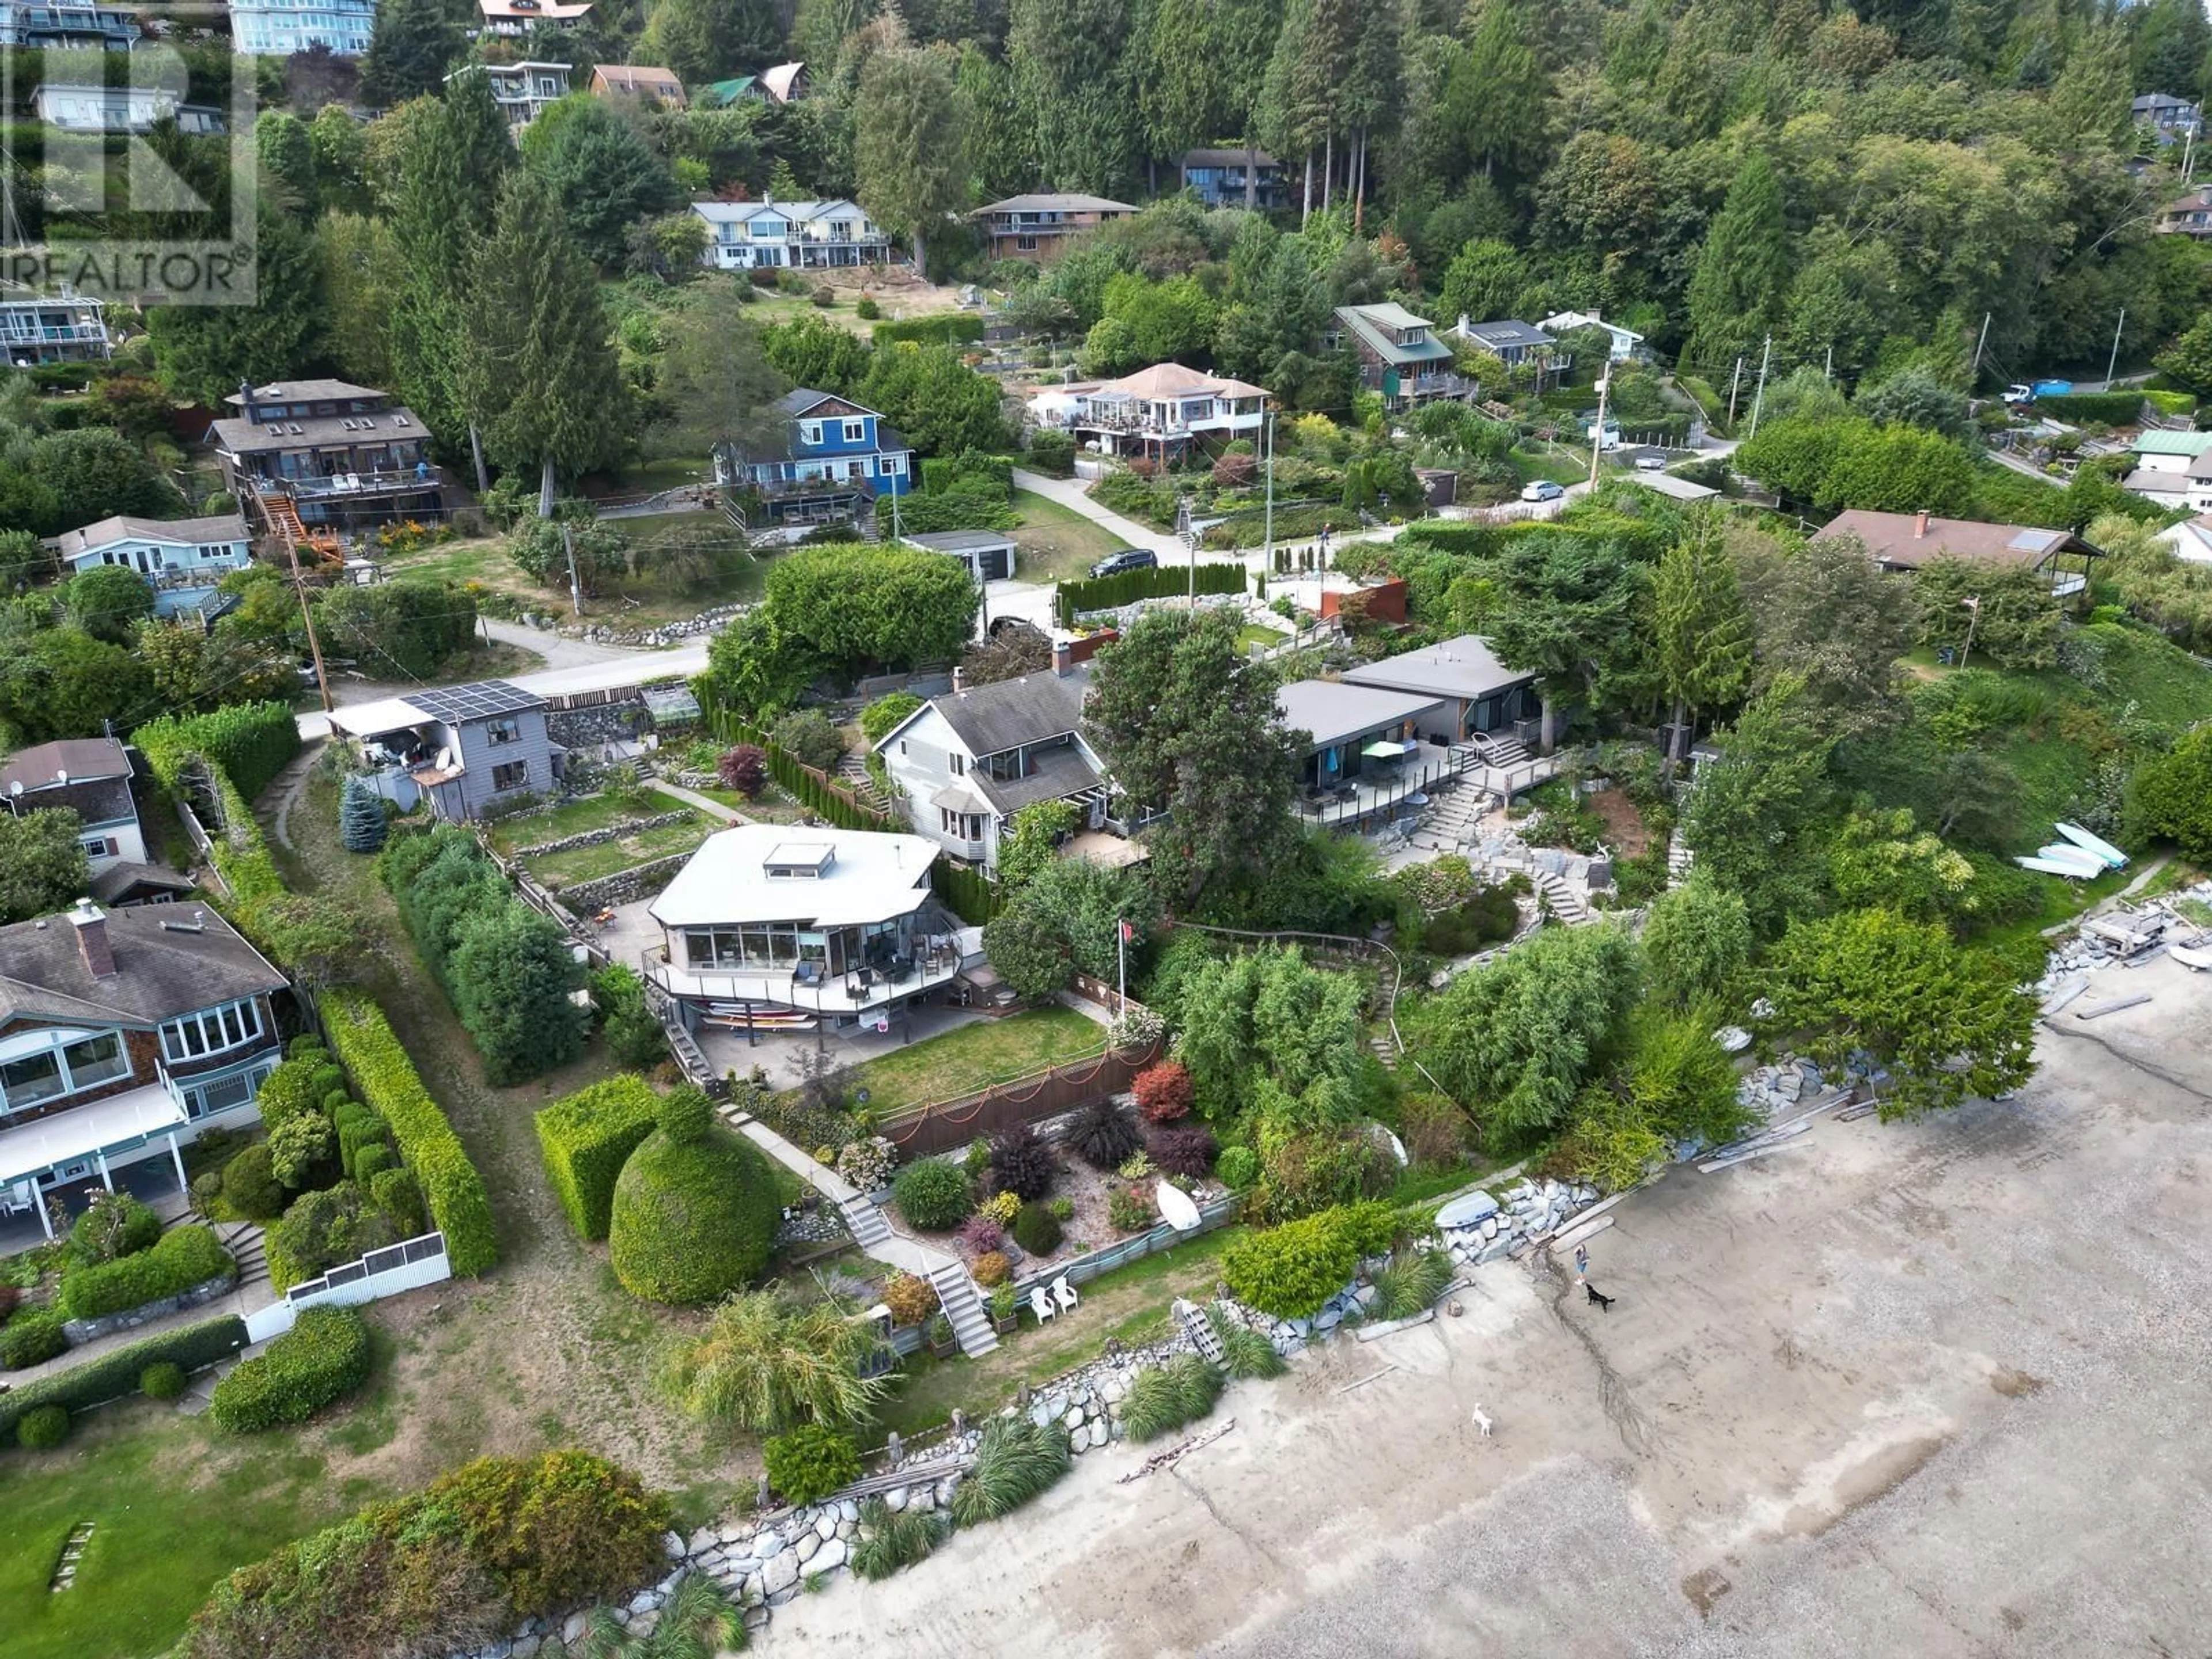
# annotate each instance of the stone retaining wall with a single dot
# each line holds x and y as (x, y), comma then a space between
(80, 1331)
(607, 832)
(624, 886)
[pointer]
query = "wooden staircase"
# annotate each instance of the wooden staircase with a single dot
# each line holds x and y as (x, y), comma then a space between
(955, 1290)
(1200, 1331)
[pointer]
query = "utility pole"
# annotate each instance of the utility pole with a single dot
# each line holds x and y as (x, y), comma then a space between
(2112, 363)
(1828, 369)
(1974, 378)
(1734, 380)
(1759, 398)
(1597, 436)
(314, 644)
(575, 585)
(2188, 147)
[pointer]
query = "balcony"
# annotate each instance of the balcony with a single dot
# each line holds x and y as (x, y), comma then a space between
(730, 996)
(337, 484)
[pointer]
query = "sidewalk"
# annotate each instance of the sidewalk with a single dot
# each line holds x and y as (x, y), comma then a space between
(712, 809)
(1069, 493)
(245, 1299)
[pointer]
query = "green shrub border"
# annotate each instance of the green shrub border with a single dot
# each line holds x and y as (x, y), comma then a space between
(1160, 582)
(386, 1081)
(182, 1259)
(115, 1375)
(322, 1358)
(585, 1140)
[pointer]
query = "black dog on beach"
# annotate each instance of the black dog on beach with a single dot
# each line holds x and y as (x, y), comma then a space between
(1604, 1302)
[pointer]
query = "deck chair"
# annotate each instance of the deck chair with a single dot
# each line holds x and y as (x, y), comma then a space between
(1040, 1305)
(1064, 1293)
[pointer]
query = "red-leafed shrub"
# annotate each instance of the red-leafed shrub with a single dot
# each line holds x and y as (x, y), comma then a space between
(744, 769)
(1164, 1091)
(1186, 1153)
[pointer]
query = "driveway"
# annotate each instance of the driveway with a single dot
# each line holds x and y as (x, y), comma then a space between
(1932, 1388)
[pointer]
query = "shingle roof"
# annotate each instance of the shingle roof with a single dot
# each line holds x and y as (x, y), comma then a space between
(170, 959)
(305, 392)
(40, 766)
(1068, 202)
(1006, 716)
(1898, 540)
(240, 436)
(126, 874)
(1059, 773)
(222, 528)
(1175, 380)
(1507, 332)
(1225, 158)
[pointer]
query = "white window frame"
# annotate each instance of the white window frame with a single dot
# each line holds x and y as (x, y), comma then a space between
(218, 1029)
(521, 768)
(810, 432)
(856, 432)
(505, 730)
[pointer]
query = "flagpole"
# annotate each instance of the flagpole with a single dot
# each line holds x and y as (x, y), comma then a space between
(1121, 967)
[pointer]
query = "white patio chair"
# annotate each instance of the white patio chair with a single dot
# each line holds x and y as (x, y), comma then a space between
(1064, 1293)
(1040, 1305)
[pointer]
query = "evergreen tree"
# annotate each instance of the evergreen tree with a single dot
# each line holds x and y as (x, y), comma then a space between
(541, 369)
(362, 822)
(1076, 86)
(909, 148)
(1702, 628)
(285, 157)
(414, 43)
(718, 388)
(606, 177)
(2172, 39)
(205, 351)
(1002, 151)
(703, 40)
(1495, 95)
(1743, 270)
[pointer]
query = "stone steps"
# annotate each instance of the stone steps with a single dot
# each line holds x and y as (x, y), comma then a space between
(1566, 904)
(248, 1247)
(971, 1325)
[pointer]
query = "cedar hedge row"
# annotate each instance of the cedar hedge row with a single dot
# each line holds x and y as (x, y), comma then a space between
(117, 1372)
(812, 788)
(951, 328)
(587, 1138)
(1153, 582)
(386, 1080)
(323, 1357)
(183, 1257)
(2106, 408)
(251, 742)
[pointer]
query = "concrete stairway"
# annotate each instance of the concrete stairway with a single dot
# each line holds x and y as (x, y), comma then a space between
(1449, 824)
(246, 1245)
(1680, 858)
(1566, 904)
(863, 1221)
(965, 1308)
(1503, 751)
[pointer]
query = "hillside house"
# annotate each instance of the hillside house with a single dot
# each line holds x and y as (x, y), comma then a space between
(834, 459)
(2162, 463)
(2170, 118)
(72, 107)
(56, 25)
(1475, 695)
(2189, 216)
(2190, 539)
(513, 19)
(1158, 411)
(807, 235)
(1400, 354)
(325, 453)
(1625, 340)
(465, 747)
(522, 91)
(1510, 341)
(1906, 541)
(34, 330)
(183, 558)
(773, 929)
(1037, 227)
(1236, 179)
(91, 777)
(278, 28)
(968, 761)
(122, 1036)
(640, 81)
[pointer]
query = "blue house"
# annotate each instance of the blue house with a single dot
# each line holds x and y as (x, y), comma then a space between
(833, 460)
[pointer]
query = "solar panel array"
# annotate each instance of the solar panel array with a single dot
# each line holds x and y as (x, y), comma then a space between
(485, 700)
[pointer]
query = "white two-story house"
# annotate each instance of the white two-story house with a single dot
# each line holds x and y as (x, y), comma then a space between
(967, 761)
(91, 777)
(811, 236)
(122, 1036)
(1158, 411)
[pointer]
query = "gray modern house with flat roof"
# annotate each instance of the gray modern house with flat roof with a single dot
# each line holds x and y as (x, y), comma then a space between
(1476, 694)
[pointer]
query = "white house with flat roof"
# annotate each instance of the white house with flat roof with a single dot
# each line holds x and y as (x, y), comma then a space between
(771, 927)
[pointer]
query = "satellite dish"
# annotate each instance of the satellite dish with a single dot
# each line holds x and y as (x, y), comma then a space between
(15, 786)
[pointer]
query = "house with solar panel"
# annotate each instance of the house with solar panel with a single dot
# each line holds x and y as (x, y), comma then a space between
(462, 747)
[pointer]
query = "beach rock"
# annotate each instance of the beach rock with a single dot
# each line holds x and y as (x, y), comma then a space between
(829, 1556)
(825, 1525)
(808, 1544)
(779, 1575)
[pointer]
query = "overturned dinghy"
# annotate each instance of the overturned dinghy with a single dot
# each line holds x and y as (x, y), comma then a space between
(2096, 846)
(2080, 866)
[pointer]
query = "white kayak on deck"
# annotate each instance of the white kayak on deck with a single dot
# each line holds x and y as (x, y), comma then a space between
(2059, 851)
(2053, 867)
(2113, 858)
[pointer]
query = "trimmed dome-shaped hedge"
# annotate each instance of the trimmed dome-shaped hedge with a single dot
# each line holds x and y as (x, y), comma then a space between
(692, 1220)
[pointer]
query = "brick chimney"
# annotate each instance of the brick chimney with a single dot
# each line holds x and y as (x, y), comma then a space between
(1920, 524)
(92, 939)
(959, 679)
(1063, 658)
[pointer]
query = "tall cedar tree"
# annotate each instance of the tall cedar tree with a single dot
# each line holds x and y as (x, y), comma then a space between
(717, 387)
(1076, 86)
(1297, 95)
(413, 44)
(1702, 628)
(910, 150)
(1187, 721)
(1743, 270)
(1496, 92)
(541, 369)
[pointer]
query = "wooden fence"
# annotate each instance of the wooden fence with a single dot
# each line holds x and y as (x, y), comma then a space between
(953, 1123)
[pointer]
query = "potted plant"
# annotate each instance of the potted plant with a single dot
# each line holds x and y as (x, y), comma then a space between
(940, 1337)
(1002, 1306)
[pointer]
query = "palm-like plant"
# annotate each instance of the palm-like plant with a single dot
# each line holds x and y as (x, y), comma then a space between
(889, 1541)
(698, 1620)
(1244, 1352)
(1015, 1461)
(765, 1364)
(1165, 1397)
(1414, 1280)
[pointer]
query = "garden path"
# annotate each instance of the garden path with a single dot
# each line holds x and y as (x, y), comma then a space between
(873, 1231)
(712, 808)
(1070, 494)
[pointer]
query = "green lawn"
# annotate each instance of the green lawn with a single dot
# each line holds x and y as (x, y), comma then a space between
(1057, 542)
(1130, 1305)
(1252, 635)
(975, 1056)
(174, 1505)
(565, 869)
(575, 817)
(717, 568)
(1562, 466)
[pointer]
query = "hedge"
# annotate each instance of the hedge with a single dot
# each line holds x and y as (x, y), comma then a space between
(31, 1338)
(183, 1257)
(387, 1083)
(1154, 582)
(969, 894)
(115, 1374)
(2106, 408)
(947, 328)
(693, 1220)
(812, 788)
(251, 742)
(587, 1138)
(321, 1358)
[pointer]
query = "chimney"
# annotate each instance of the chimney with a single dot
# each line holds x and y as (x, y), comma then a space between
(92, 939)
(246, 397)
(959, 679)
(1063, 658)
(1920, 524)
